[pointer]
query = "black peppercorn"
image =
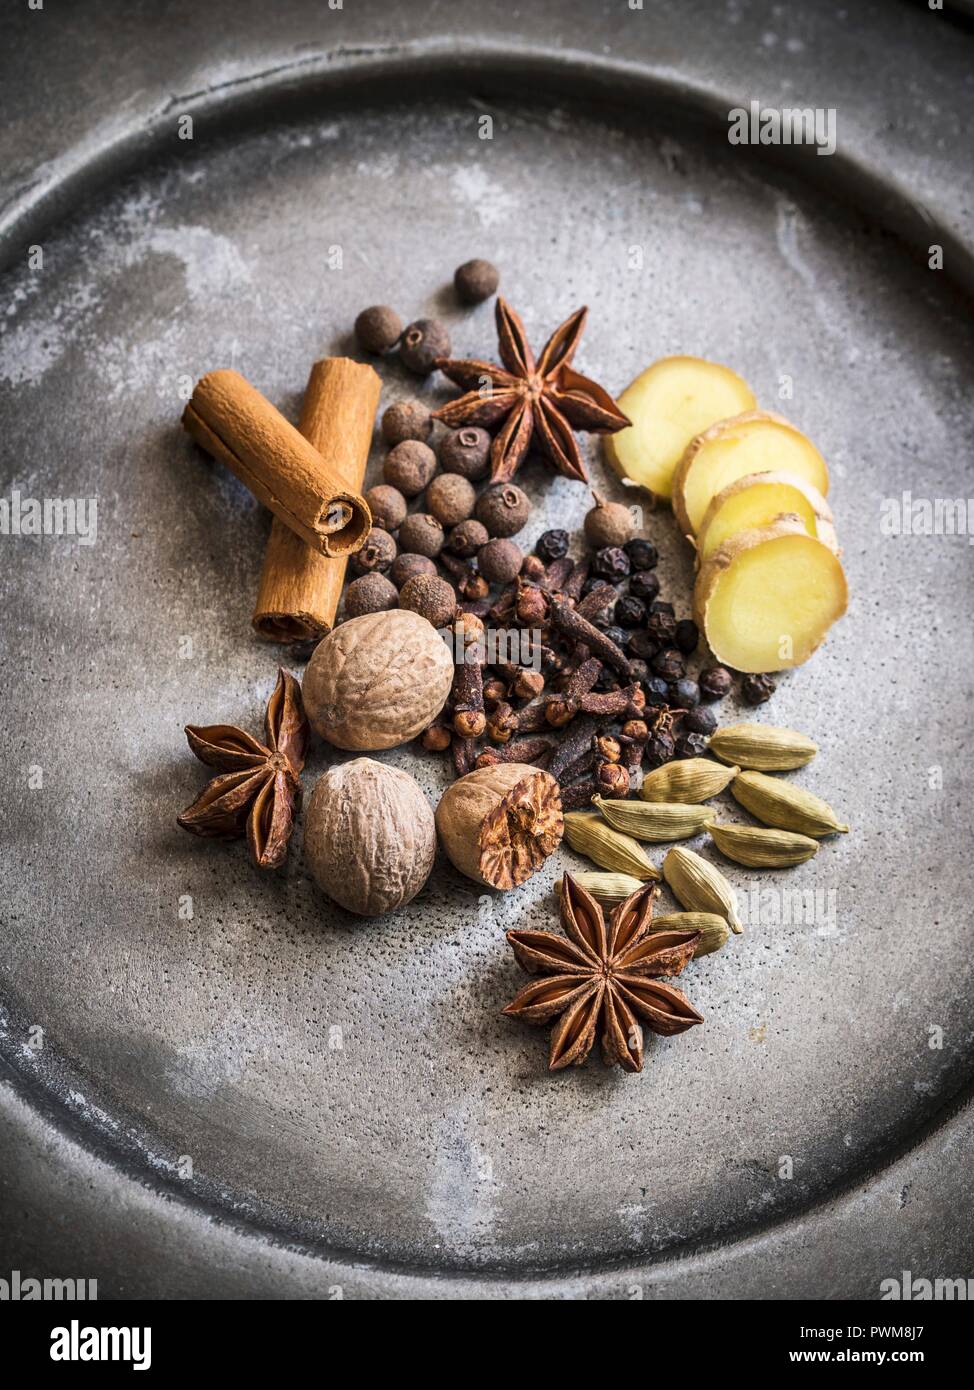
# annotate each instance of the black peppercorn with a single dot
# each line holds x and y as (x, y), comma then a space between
(618, 635)
(690, 745)
(684, 694)
(657, 692)
(715, 682)
(700, 720)
(630, 612)
(660, 748)
(643, 554)
(687, 636)
(661, 626)
(552, 545)
(755, 689)
(640, 669)
(669, 664)
(422, 343)
(467, 452)
(607, 680)
(645, 585)
(642, 644)
(611, 562)
(595, 581)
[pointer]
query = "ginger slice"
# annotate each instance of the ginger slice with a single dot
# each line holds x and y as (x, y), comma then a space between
(754, 442)
(671, 402)
(766, 598)
(758, 499)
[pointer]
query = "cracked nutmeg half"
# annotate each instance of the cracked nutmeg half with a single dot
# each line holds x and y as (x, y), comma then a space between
(601, 979)
(499, 824)
(525, 400)
(258, 791)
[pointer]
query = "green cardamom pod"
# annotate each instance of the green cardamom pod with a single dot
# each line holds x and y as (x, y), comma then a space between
(714, 931)
(700, 886)
(691, 780)
(760, 848)
(609, 888)
(587, 833)
(655, 820)
(784, 806)
(762, 747)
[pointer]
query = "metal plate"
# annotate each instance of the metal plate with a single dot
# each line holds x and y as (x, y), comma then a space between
(348, 1087)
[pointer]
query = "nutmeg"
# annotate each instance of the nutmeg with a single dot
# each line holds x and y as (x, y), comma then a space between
(369, 836)
(377, 681)
(504, 509)
(498, 824)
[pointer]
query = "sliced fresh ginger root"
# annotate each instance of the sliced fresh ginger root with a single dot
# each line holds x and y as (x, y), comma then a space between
(759, 498)
(766, 598)
(754, 442)
(671, 402)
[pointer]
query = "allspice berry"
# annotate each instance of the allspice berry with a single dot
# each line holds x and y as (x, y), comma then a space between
(371, 593)
(422, 534)
(504, 509)
(387, 505)
(467, 452)
(431, 597)
(475, 281)
(422, 343)
(406, 420)
(467, 538)
(406, 565)
(376, 555)
(451, 498)
(499, 561)
(378, 328)
(608, 524)
(409, 467)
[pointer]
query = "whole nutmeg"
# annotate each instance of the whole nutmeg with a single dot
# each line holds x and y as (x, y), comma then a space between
(376, 555)
(503, 509)
(421, 534)
(499, 561)
(372, 593)
(499, 824)
(387, 505)
(369, 836)
(377, 328)
(406, 420)
(405, 565)
(422, 342)
(475, 281)
(467, 452)
(608, 524)
(409, 467)
(377, 681)
(431, 597)
(467, 537)
(450, 498)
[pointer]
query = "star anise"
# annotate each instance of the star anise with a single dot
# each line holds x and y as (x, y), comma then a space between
(601, 976)
(259, 790)
(544, 400)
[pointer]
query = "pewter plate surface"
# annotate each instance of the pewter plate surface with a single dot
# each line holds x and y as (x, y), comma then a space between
(350, 1084)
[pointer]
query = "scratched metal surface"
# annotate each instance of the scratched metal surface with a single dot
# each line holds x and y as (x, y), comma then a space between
(282, 1097)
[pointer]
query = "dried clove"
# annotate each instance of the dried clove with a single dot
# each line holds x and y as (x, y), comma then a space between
(534, 749)
(577, 741)
(567, 620)
(561, 709)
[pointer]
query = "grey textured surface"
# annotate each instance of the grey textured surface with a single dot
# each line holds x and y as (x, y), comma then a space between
(430, 1154)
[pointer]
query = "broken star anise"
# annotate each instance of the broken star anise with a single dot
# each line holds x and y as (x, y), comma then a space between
(544, 400)
(601, 977)
(258, 792)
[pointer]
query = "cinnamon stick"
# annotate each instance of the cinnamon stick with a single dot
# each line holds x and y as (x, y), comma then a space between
(300, 590)
(231, 420)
